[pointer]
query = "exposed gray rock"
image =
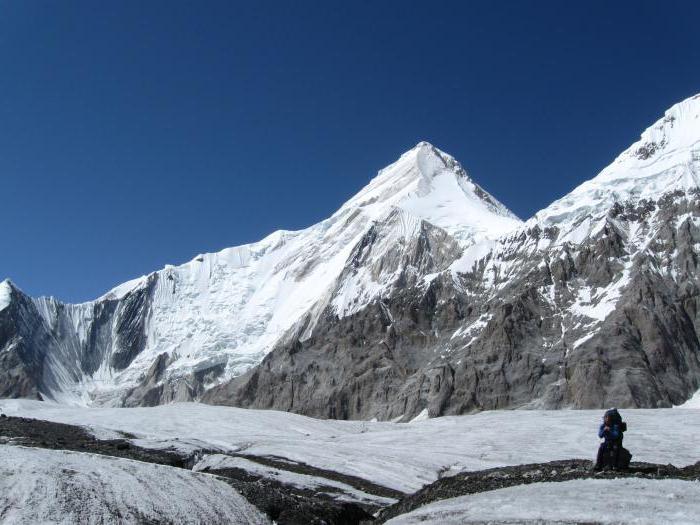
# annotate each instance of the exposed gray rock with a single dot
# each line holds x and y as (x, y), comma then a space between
(20, 363)
(414, 349)
(42, 352)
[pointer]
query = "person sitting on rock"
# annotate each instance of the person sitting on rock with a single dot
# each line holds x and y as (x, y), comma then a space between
(610, 453)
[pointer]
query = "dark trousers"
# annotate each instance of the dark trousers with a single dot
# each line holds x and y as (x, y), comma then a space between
(608, 455)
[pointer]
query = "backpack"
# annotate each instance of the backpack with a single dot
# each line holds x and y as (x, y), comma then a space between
(623, 458)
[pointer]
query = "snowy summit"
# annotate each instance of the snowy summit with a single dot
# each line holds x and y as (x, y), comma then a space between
(665, 158)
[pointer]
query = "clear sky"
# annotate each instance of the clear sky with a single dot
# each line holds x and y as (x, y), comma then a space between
(135, 134)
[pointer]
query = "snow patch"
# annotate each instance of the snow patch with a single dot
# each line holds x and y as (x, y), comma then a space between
(472, 255)
(693, 402)
(582, 340)
(598, 304)
(5, 294)
(423, 416)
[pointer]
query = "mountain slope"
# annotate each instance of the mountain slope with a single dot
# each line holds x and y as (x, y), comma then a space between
(593, 302)
(176, 332)
(665, 158)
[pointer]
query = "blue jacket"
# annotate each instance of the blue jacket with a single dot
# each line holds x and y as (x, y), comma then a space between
(610, 435)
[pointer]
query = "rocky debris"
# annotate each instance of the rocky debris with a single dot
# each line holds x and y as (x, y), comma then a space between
(292, 505)
(502, 477)
(648, 150)
(296, 467)
(59, 436)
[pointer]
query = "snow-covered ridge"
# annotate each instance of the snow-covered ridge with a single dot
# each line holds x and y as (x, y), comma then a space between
(424, 182)
(665, 158)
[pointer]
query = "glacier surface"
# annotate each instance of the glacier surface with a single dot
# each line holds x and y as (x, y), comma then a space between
(402, 456)
(57, 486)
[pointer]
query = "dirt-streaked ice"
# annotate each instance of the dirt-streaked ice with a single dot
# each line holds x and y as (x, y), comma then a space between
(403, 456)
(56, 486)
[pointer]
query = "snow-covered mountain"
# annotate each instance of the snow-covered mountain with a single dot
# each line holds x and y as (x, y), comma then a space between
(421, 295)
(593, 302)
(665, 158)
(172, 334)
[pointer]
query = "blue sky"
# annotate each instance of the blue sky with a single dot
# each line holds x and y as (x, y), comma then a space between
(135, 134)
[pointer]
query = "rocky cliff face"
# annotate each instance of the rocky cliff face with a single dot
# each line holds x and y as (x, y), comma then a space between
(421, 295)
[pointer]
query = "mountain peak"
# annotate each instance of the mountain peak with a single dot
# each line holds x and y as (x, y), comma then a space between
(430, 160)
(679, 128)
(664, 159)
(432, 185)
(423, 144)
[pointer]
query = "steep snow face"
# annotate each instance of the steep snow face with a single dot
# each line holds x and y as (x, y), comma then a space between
(221, 313)
(665, 158)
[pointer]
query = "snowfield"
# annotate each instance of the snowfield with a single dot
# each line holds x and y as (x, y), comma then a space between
(639, 501)
(401, 456)
(56, 486)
